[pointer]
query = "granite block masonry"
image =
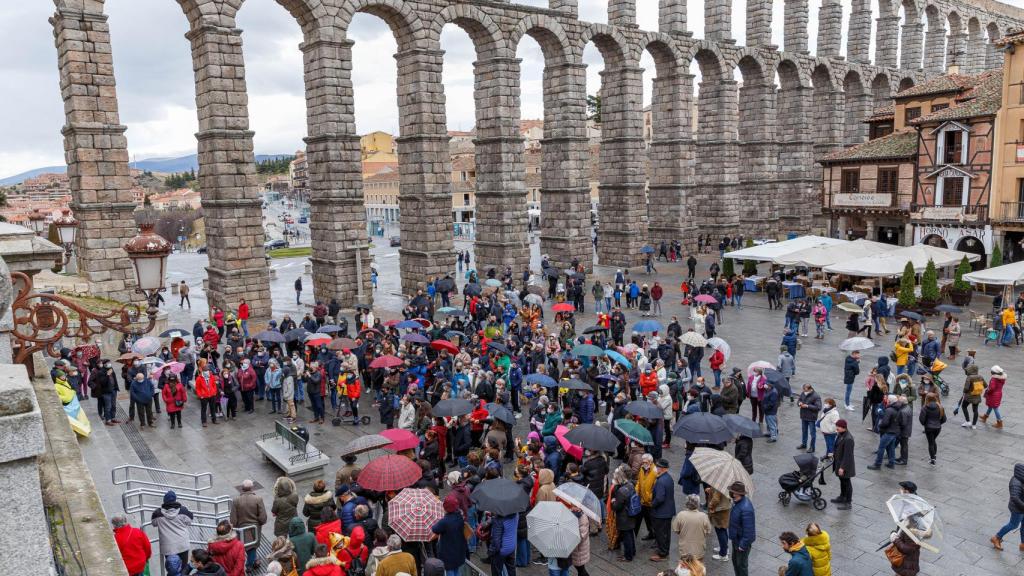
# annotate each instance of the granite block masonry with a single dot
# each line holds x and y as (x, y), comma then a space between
(745, 165)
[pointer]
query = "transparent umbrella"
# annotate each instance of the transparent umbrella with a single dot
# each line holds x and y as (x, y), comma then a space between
(918, 519)
(719, 344)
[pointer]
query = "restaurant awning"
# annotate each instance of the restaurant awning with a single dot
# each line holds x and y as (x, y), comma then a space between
(893, 262)
(829, 254)
(1006, 275)
(769, 252)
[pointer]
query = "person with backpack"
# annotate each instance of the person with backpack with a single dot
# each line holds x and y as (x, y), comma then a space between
(625, 505)
(323, 564)
(501, 548)
(974, 388)
(354, 556)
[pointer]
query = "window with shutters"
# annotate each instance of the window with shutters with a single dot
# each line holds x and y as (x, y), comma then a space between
(851, 181)
(953, 191)
(952, 144)
(888, 180)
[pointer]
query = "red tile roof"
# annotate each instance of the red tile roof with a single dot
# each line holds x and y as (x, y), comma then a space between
(898, 145)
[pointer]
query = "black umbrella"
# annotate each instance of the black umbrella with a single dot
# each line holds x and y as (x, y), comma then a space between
(742, 426)
(592, 437)
(420, 300)
(294, 335)
(778, 381)
(452, 407)
(552, 272)
(270, 336)
(328, 329)
(703, 428)
(594, 329)
(174, 333)
(446, 284)
(645, 409)
(500, 496)
(450, 333)
(472, 289)
(498, 347)
(912, 315)
(949, 308)
(459, 313)
(362, 307)
(575, 384)
(499, 412)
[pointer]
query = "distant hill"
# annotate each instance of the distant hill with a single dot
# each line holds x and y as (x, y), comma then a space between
(165, 165)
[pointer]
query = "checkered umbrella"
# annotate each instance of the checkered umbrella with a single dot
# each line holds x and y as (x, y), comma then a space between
(413, 512)
(389, 473)
(365, 444)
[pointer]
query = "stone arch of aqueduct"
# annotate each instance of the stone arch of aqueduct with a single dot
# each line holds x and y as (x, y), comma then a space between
(761, 152)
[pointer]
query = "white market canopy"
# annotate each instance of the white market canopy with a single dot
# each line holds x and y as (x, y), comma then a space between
(893, 262)
(769, 252)
(829, 254)
(1006, 275)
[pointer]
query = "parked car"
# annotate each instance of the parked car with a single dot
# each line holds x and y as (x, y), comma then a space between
(275, 244)
(201, 250)
(396, 241)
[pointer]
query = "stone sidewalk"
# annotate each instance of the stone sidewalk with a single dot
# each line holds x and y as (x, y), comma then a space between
(969, 484)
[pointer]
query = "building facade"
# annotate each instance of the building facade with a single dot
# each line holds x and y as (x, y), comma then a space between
(1007, 211)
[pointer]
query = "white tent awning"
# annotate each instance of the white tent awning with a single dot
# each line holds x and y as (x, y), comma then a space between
(1006, 275)
(829, 254)
(769, 252)
(892, 263)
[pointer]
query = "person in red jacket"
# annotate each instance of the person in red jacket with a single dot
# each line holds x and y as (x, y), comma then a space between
(218, 319)
(354, 550)
(174, 397)
(323, 564)
(656, 293)
(648, 381)
(133, 544)
(247, 381)
(243, 317)
(211, 336)
(717, 360)
(227, 550)
(330, 523)
(206, 391)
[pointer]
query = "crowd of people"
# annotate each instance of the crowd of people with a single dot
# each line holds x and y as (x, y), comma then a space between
(528, 382)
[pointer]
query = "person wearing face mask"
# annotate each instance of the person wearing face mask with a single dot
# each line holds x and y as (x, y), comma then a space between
(206, 391)
(141, 396)
(106, 390)
(229, 386)
(247, 383)
(174, 396)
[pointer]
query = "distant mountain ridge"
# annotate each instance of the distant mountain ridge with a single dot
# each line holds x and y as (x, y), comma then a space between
(180, 164)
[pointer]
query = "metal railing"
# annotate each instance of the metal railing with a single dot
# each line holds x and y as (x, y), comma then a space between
(123, 476)
(298, 443)
(1012, 212)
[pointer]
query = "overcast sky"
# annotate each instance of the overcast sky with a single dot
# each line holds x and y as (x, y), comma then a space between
(156, 91)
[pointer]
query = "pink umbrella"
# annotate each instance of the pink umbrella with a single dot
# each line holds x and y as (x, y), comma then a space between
(758, 364)
(400, 439)
(570, 448)
(706, 299)
(174, 367)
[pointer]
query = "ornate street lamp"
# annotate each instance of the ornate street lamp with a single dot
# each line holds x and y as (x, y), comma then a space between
(37, 222)
(42, 319)
(67, 227)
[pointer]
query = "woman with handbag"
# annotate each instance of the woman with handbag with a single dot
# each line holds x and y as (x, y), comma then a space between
(904, 554)
(174, 400)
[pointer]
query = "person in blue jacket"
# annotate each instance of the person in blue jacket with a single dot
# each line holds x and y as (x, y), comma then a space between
(585, 410)
(452, 548)
(141, 394)
(742, 530)
(502, 545)
(689, 479)
(663, 509)
(799, 558)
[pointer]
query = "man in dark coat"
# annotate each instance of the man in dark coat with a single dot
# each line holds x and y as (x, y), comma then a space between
(844, 465)
(851, 368)
(663, 509)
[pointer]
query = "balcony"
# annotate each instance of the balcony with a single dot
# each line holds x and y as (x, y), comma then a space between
(1011, 212)
(962, 214)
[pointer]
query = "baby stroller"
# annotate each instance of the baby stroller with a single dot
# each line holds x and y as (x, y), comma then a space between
(799, 484)
(932, 372)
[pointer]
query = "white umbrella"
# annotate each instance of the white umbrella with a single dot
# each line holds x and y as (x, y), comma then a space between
(533, 299)
(916, 518)
(758, 364)
(850, 307)
(773, 250)
(1006, 275)
(828, 254)
(892, 263)
(694, 339)
(553, 529)
(581, 497)
(856, 343)
(719, 344)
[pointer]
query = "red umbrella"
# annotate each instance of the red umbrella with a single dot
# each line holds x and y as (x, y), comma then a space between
(400, 439)
(570, 448)
(127, 357)
(388, 473)
(563, 307)
(424, 322)
(444, 345)
(412, 513)
(705, 299)
(386, 361)
(391, 323)
(318, 340)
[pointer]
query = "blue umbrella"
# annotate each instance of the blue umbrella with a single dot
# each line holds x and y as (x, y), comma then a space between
(409, 325)
(270, 336)
(618, 358)
(416, 338)
(542, 379)
(647, 250)
(648, 326)
(329, 329)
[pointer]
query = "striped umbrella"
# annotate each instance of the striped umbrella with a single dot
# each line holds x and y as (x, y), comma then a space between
(413, 512)
(388, 473)
(718, 469)
(553, 529)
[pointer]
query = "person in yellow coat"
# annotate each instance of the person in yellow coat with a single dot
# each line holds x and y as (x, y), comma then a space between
(645, 478)
(1009, 319)
(902, 349)
(820, 548)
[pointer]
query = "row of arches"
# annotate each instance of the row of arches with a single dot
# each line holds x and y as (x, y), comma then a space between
(749, 161)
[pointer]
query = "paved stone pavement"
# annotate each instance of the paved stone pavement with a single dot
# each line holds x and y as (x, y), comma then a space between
(969, 484)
